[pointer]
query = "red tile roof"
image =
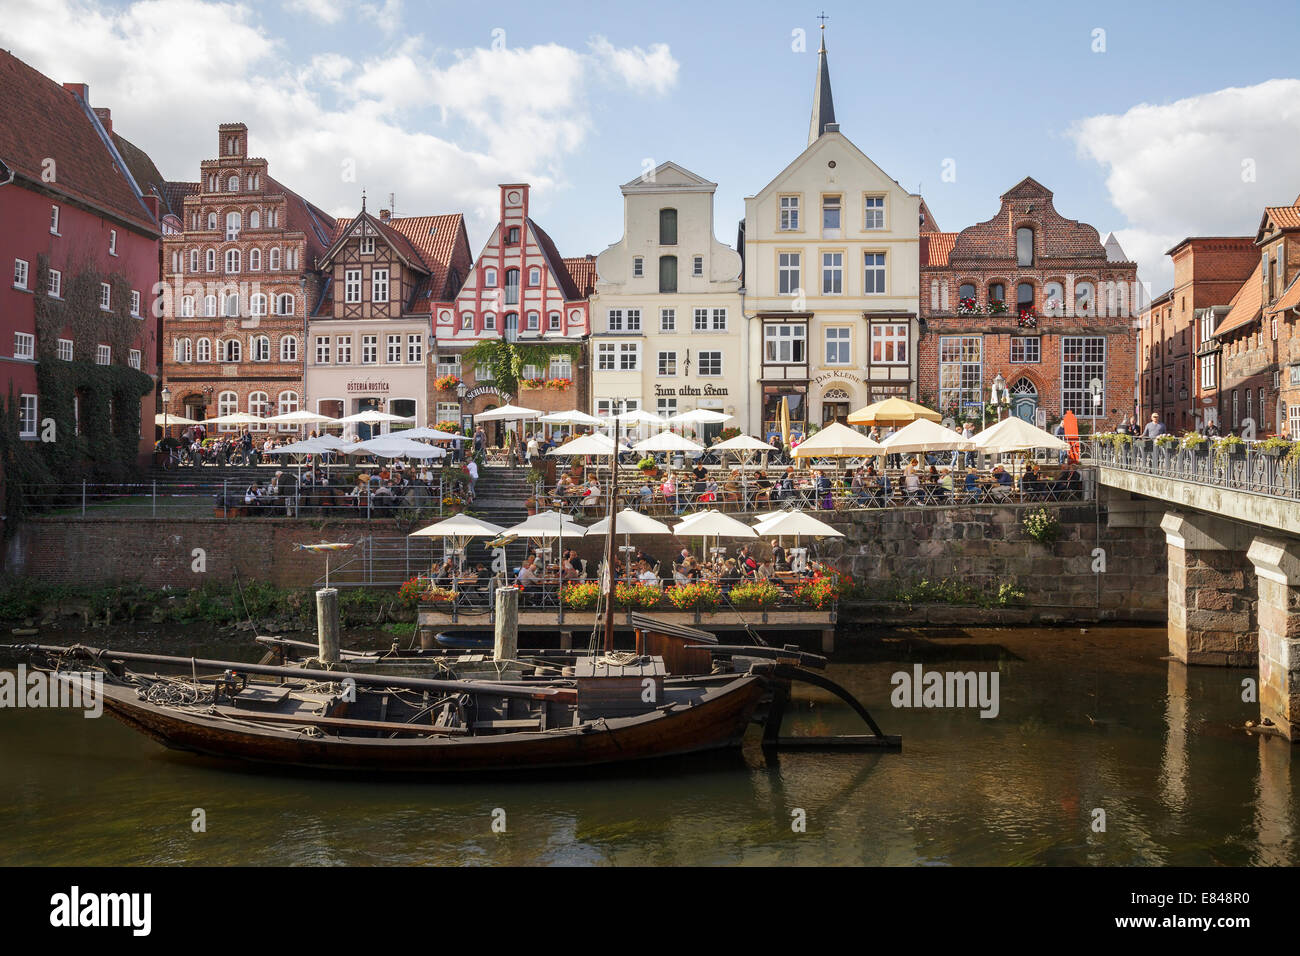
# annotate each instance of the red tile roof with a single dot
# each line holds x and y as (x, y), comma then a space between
(1244, 307)
(936, 247)
(436, 245)
(1290, 298)
(41, 120)
(583, 273)
(1286, 217)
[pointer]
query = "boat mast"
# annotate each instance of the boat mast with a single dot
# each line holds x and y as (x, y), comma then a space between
(609, 549)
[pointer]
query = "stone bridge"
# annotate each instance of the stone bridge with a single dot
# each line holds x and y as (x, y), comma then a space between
(1232, 527)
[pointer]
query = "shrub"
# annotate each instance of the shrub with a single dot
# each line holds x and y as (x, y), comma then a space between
(755, 594)
(640, 596)
(581, 597)
(1193, 440)
(695, 597)
(1042, 525)
(818, 593)
(409, 593)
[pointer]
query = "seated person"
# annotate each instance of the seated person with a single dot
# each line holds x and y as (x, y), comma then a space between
(730, 576)
(764, 484)
(972, 483)
(646, 574)
(1002, 489)
(646, 496)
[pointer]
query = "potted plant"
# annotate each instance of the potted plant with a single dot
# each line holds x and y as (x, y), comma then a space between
(755, 594)
(648, 466)
(446, 383)
(695, 597)
(1194, 443)
(531, 504)
(1229, 446)
(1275, 447)
(580, 597)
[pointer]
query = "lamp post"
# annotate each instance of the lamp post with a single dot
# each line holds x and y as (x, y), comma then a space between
(166, 396)
(998, 394)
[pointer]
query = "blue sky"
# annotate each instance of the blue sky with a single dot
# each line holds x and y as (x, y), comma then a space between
(577, 97)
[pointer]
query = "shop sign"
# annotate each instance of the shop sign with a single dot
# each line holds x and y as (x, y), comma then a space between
(367, 386)
(662, 392)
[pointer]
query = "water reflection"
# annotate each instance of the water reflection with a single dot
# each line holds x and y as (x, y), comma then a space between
(1088, 720)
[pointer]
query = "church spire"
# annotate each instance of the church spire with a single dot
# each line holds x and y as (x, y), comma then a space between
(823, 108)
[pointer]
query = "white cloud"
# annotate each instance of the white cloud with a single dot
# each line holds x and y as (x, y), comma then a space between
(440, 129)
(653, 71)
(326, 11)
(1204, 165)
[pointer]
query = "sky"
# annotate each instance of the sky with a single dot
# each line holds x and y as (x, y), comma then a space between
(1153, 120)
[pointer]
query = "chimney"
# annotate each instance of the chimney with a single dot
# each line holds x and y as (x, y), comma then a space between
(105, 118)
(385, 215)
(78, 89)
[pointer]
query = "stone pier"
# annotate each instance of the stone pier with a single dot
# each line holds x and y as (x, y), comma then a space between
(1277, 567)
(1212, 593)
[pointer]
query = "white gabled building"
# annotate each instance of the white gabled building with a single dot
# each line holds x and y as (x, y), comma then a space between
(668, 333)
(831, 280)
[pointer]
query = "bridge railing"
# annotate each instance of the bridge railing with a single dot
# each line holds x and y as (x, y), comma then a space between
(1248, 467)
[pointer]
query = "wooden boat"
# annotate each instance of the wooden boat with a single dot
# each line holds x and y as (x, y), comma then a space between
(350, 721)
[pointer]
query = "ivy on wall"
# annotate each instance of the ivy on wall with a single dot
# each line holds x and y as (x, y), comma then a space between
(507, 359)
(88, 426)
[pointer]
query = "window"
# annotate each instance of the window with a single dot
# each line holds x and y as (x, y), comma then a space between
(24, 345)
(701, 323)
(561, 366)
(133, 359)
(530, 373)
(638, 267)
(966, 291)
(274, 260)
(194, 260)
(105, 296)
(490, 278)
(667, 407)
(483, 373)
(284, 304)
(667, 320)
(254, 217)
(837, 345)
(467, 320)
(553, 323)
(1208, 371)
(789, 218)
(232, 184)
(230, 305)
(873, 214)
(830, 214)
(393, 351)
(257, 304)
(489, 321)
(667, 273)
(322, 350)
(667, 227)
(369, 349)
(104, 355)
(1083, 298)
(1082, 360)
(873, 281)
(65, 350)
(697, 266)
(343, 350)
(787, 265)
(512, 236)
(605, 357)
(719, 320)
(232, 260)
(260, 347)
(785, 344)
(54, 285)
(832, 273)
(379, 285)
(1024, 246)
(54, 220)
(227, 404)
(960, 373)
(667, 364)
(534, 277)
(20, 273)
(210, 306)
(210, 260)
(367, 245)
(415, 348)
(512, 287)
(889, 343)
(532, 322)
(1054, 299)
(112, 242)
(997, 294)
(1026, 351)
(629, 356)
(202, 350)
(287, 404)
(352, 285)
(229, 350)
(180, 350)
(511, 328)
(212, 222)
(710, 364)
(27, 416)
(289, 348)
(1024, 297)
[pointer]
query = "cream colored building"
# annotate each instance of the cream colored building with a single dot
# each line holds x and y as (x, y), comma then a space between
(668, 333)
(831, 280)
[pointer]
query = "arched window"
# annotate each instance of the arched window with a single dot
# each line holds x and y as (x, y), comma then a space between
(232, 184)
(1054, 299)
(257, 304)
(534, 277)
(194, 260)
(252, 182)
(467, 320)
(227, 404)
(212, 222)
(254, 260)
(233, 224)
(289, 350)
(1084, 296)
(489, 278)
(187, 306)
(287, 405)
(258, 405)
(210, 260)
(292, 259)
(1024, 246)
(1024, 297)
(997, 294)
(204, 350)
(254, 220)
(512, 287)
(261, 348)
(274, 265)
(667, 227)
(230, 305)
(284, 304)
(179, 348)
(232, 260)
(209, 305)
(228, 350)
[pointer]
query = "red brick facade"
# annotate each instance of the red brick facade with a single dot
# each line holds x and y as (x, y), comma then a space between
(1033, 297)
(239, 280)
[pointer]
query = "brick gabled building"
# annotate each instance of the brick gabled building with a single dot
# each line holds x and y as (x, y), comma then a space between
(80, 250)
(1178, 353)
(239, 277)
(1035, 298)
(521, 290)
(1260, 359)
(385, 279)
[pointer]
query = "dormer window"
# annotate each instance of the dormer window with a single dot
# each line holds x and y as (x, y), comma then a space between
(368, 245)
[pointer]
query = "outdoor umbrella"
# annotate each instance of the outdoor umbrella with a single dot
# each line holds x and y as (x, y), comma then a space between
(785, 422)
(925, 435)
(667, 441)
(892, 411)
(235, 418)
(712, 524)
(596, 445)
(573, 417)
(460, 529)
(743, 443)
(300, 418)
(1016, 434)
(627, 523)
(639, 416)
(837, 441)
(795, 523)
(388, 446)
(507, 413)
(432, 434)
(547, 526)
(699, 416)
(369, 417)
(166, 419)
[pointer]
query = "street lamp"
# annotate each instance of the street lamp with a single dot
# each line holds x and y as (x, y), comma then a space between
(998, 394)
(166, 396)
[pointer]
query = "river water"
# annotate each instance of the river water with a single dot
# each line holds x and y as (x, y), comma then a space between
(1089, 720)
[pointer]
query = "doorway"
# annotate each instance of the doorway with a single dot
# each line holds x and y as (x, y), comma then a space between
(364, 430)
(1024, 400)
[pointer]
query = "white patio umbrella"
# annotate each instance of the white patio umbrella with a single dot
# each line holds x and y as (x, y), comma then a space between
(1016, 434)
(712, 524)
(167, 419)
(460, 529)
(312, 446)
(838, 441)
(300, 418)
(369, 417)
(548, 526)
(507, 413)
(667, 441)
(925, 435)
(388, 446)
(432, 434)
(235, 418)
(627, 523)
(573, 417)
(795, 523)
(639, 416)
(699, 416)
(743, 443)
(596, 445)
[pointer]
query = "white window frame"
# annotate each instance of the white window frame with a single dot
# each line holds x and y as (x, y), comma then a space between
(393, 349)
(103, 355)
(65, 350)
(878, 272)
(22, 270)
(54, 221)
(837, 340)
(343, 350)
(28, 416)
(894, 339)
(54, 284)
(112, 242)
(714, 361)
(369, 350)
(133, 359)
(351, 286)
(367, 245)
(697, 266)
(105, 297)
(789, 272)
(24, 346)
(667, 320)
(379, 285)
(638, 267)
(289, 348)
(135, 303)
(324, 352)
(414, 348)
(873, 212)
(788, 209)
(666, 364)
(832, 273)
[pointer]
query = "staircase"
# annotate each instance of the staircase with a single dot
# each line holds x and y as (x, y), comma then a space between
(501, 494)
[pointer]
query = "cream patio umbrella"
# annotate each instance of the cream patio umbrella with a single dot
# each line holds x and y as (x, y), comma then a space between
(459, 529)
(892, 411)
(837, 441)
(925, 435)
(548, 526)
(235, 418)
(390, 446)
(627, 523)
(432, 434)
(1015, 434)
(712, 524)
(166, 419)
(667, 441)
(795, 523)
(595, 445)
(507, 413)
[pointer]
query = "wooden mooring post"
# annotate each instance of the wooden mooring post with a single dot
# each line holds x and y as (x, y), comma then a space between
(506, 645)
(327, 625)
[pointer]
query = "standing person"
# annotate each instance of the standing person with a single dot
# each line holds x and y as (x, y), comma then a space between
(1059, 432)
(533, 448)
(967, 432)
(1155, 428)
(471, 467)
